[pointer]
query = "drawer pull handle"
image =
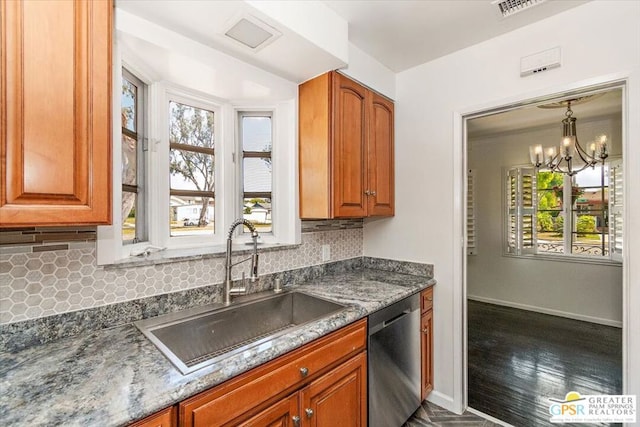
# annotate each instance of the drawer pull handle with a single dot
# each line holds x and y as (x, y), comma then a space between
(304, 372)
(309, 412)
(296, 421)
(429, 298)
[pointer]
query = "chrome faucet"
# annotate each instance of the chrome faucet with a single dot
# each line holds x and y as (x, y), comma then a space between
(229, 290)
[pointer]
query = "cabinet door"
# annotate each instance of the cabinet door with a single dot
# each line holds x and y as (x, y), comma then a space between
(349, 148)
(56, 109)
(285, 413)
(426, 340)
(380, 180)
(164, 418)
(338, 398)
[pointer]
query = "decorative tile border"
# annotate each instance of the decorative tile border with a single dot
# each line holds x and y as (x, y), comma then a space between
(309, 225)
(42, 239)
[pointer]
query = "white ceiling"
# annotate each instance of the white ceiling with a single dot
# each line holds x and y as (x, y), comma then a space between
(527, 117)
(404, 33)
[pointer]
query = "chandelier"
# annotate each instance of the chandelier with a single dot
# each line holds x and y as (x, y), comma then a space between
(570, 157)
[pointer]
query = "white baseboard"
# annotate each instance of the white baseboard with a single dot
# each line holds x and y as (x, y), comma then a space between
(488, 417)
(575, 316)
(443, 401)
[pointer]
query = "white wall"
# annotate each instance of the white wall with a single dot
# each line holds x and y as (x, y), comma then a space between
(370, 72)
(591, 292)
(600, 41)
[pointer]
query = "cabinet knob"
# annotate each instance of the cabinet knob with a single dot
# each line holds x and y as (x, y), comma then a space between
(367, 192)
(425, 331)
(304, 372)
(373, 193)
(296, 421)
(309, 412)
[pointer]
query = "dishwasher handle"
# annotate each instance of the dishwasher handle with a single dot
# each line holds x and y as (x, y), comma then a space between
(394, 313)
(395, 319)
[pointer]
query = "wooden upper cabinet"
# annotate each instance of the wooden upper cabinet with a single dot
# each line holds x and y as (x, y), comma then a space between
(349, 157)
(345, 149)
(56, 112)
(381, 172)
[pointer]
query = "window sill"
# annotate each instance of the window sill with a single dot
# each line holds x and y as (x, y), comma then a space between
(567, 258)
(167, 256)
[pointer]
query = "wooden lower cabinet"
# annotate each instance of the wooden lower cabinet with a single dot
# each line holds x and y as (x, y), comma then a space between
(426, 342)
(165, 418)
(285, 413)
(320, 384)
(339, 398)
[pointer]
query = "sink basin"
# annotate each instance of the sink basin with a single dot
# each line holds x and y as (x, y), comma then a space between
(195, 338)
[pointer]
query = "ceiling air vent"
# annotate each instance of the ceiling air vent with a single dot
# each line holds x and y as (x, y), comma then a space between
(511, 7)
(252, 32)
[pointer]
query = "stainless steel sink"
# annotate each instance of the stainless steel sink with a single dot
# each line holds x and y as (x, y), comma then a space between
(195, 338)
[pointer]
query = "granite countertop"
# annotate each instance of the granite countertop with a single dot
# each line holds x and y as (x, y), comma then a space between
(115, 376)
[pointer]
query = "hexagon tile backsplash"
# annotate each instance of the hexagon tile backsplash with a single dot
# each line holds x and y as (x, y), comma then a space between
(39, 284)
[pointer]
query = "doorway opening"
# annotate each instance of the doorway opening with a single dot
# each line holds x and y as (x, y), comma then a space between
(544, 279)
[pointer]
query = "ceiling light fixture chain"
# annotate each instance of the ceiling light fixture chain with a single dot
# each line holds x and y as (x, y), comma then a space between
(564, 160)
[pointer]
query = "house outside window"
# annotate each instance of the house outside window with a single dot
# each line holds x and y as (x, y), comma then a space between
(545, 220)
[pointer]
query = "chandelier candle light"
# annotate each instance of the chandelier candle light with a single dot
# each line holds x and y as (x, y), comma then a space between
(571, 153)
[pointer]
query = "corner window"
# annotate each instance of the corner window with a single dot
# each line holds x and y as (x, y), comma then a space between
(554, 214)
(256, 136)
(133, 146)
(187, 164)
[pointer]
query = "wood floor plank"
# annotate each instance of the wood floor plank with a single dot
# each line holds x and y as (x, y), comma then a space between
(518, 359)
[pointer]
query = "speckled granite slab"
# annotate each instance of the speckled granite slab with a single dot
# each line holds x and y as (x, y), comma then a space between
(115, 376)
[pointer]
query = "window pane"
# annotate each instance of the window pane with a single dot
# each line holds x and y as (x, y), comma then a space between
(257, 175)
(191, 216)
(550, 220)
(256, 133)
(128, 105)
(191, 171)
(191, 125)
(129, 202)
(258, 211)
(129, 160)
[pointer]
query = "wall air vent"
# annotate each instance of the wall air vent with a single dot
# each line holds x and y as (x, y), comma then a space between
(511, 7)
(252, 32)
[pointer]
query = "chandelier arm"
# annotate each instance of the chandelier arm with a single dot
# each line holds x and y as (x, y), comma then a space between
(584, 156)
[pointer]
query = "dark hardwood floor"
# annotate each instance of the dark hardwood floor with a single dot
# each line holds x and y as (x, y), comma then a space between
(519, 359)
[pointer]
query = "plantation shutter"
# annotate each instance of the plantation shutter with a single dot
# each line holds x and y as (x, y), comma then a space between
(521, 211)
(616, 201)
(471, 213)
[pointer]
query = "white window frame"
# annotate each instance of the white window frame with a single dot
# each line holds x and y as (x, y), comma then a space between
(239, 114)
(614, 256)
(160, 232)
(285, 219)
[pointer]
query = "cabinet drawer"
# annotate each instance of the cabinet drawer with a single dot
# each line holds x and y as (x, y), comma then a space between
(251, 391)
(164, 418)
(426, 300)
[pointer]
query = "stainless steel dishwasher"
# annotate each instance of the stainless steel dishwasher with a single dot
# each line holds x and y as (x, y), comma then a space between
(394, 363)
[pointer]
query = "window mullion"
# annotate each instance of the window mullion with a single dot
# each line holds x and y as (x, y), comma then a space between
(567, 184)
